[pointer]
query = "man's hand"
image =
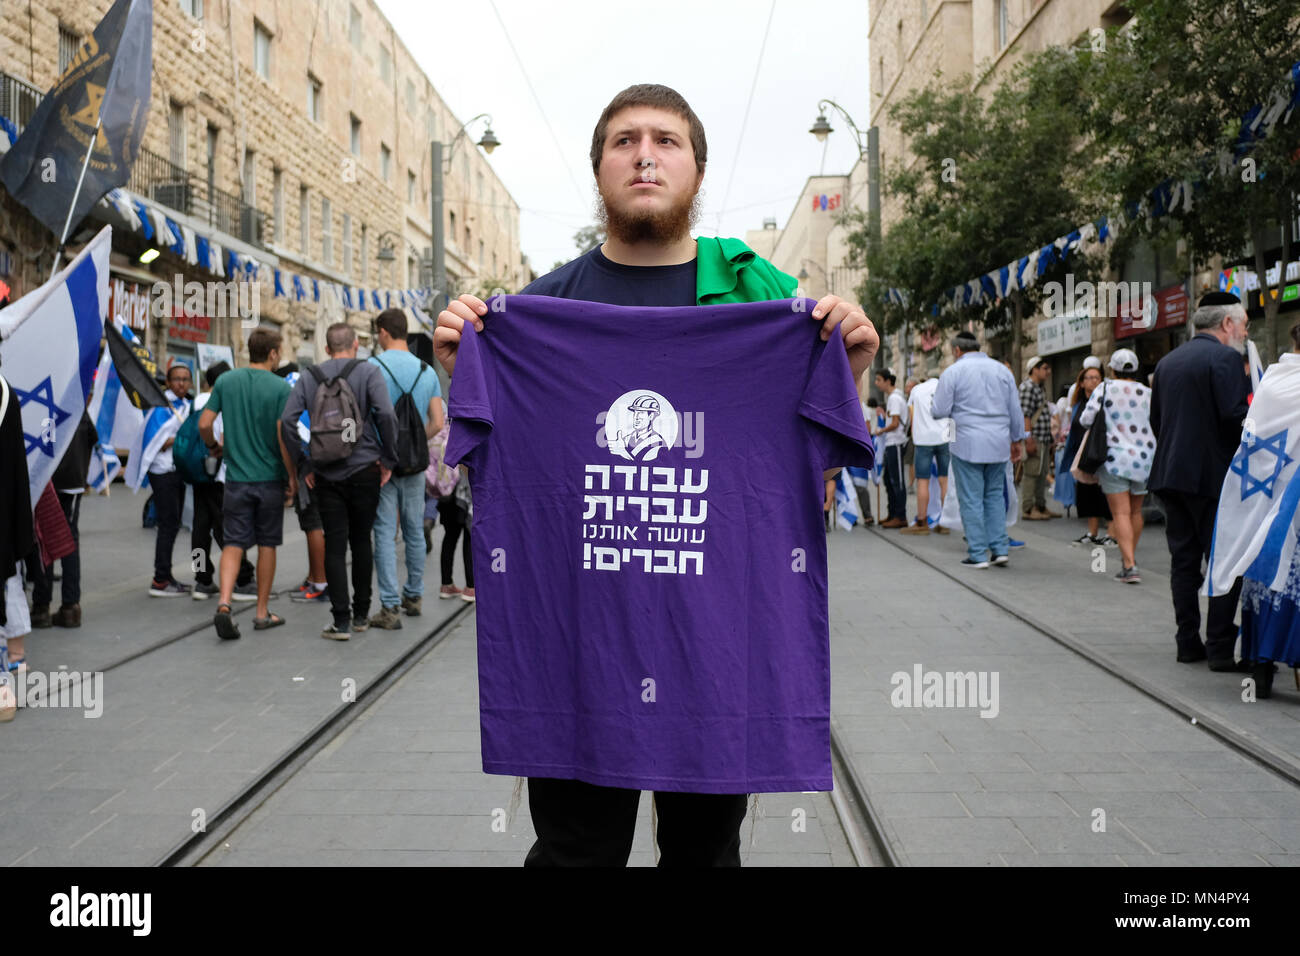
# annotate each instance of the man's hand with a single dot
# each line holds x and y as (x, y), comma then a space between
(451, 321)
(1017, 451)
(384, 475)
(860, 338)
(310, 480)
(291, 491)
(1031, 445)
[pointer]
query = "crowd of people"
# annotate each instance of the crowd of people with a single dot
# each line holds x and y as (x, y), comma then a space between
(354, 446)
(1107, 442)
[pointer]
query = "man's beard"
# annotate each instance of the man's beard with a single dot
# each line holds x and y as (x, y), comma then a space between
(659, 228)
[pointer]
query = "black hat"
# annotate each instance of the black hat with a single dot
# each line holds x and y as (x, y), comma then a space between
(1218, 298)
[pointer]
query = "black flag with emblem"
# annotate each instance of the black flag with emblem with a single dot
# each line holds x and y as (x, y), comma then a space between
(136, 369)
(107, 84)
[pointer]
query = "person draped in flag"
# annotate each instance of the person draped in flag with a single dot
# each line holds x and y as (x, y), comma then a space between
(1199, 398)
(1255, 531)
(151, 463)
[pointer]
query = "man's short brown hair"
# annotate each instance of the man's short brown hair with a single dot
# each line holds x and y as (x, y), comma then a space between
(261, 342)
(339, 337)
(660, 97)
(392, 321)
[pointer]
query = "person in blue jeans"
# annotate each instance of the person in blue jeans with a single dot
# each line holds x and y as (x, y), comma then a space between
(980, 396)
(402, 498)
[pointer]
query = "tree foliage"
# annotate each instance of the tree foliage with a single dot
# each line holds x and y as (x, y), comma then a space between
(984, 183)
(1172, 97)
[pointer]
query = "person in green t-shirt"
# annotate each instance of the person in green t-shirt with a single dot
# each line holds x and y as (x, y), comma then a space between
(259, 480)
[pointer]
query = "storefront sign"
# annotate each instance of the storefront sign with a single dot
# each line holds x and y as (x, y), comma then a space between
(1170, 309)
(826, 203)
(1063, 333)
(188, 328)
(129, 301)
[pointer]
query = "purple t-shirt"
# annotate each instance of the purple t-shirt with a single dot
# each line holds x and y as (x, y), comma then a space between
(649, 546)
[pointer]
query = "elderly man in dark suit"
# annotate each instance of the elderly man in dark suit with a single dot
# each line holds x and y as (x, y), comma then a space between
(1198, 402)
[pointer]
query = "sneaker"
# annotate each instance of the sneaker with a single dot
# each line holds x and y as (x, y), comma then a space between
(1106, 541)
(412, 605)
(1001, 560)
(1129, 576)
(311, 595)
(388, 618)
(245, 592)
(167, 589)
(202, 592)
(448, 591)
(1083, 541)
(917, 527)
(336, 633)
(360, 624)
(1013, 543)
(940, 529)
(968, 563)
(467, 595)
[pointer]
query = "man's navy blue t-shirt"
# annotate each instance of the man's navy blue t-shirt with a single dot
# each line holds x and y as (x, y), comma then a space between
(593, 278)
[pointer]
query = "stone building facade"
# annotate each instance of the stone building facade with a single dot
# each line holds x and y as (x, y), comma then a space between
(297, 133)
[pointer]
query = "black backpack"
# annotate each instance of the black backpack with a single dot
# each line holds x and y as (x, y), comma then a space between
(336, 419)
(412, 445)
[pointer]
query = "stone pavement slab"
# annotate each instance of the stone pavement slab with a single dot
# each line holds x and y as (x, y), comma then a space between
(403, 785)
(1067, 750)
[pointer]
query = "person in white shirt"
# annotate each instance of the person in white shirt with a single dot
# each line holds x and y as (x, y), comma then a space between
(894, 435)
(931, 436)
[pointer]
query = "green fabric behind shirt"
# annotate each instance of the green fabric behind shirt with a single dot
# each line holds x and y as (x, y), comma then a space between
(250, 401)
(727, 270)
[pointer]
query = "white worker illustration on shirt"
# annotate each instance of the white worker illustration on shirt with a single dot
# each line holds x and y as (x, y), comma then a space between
(643, 442)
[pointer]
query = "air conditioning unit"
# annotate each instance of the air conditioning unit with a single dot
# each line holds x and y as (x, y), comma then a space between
(250, 225)
(176, 195)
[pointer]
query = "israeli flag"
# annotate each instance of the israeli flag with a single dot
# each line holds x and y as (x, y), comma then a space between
(49, 344)
(847, 512)
(1255, 530)
(160, 424)
(116, 419)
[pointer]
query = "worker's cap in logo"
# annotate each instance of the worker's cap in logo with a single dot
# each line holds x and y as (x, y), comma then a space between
(644, 403)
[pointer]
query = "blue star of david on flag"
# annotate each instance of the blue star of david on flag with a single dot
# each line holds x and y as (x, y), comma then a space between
(56, 416)
(1274, 445)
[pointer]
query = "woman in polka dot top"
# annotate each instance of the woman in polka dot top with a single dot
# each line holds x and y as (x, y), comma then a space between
(1130, 448)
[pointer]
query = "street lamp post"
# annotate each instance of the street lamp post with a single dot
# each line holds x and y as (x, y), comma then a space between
(489, 142)
(868, 143)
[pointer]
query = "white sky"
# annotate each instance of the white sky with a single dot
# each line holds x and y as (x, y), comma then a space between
(579, 54)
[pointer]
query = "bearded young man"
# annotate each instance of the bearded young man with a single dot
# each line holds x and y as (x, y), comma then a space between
(648, 154)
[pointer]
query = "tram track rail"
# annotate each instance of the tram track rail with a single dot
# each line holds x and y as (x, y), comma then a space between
(191, 850)
(1260, 752)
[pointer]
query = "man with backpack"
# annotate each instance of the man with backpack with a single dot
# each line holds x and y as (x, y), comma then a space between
(351, 455)
(417, 403)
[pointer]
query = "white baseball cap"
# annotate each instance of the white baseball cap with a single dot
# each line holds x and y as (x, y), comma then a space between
(1092, 362)
(1033, 363)
(1124, 360)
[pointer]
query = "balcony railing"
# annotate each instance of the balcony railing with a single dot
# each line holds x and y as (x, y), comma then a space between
(169, 185)
(155, 177)
(18, 100)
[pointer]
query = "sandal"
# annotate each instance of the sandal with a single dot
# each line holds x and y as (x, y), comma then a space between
(226, 627)
(271, 620)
